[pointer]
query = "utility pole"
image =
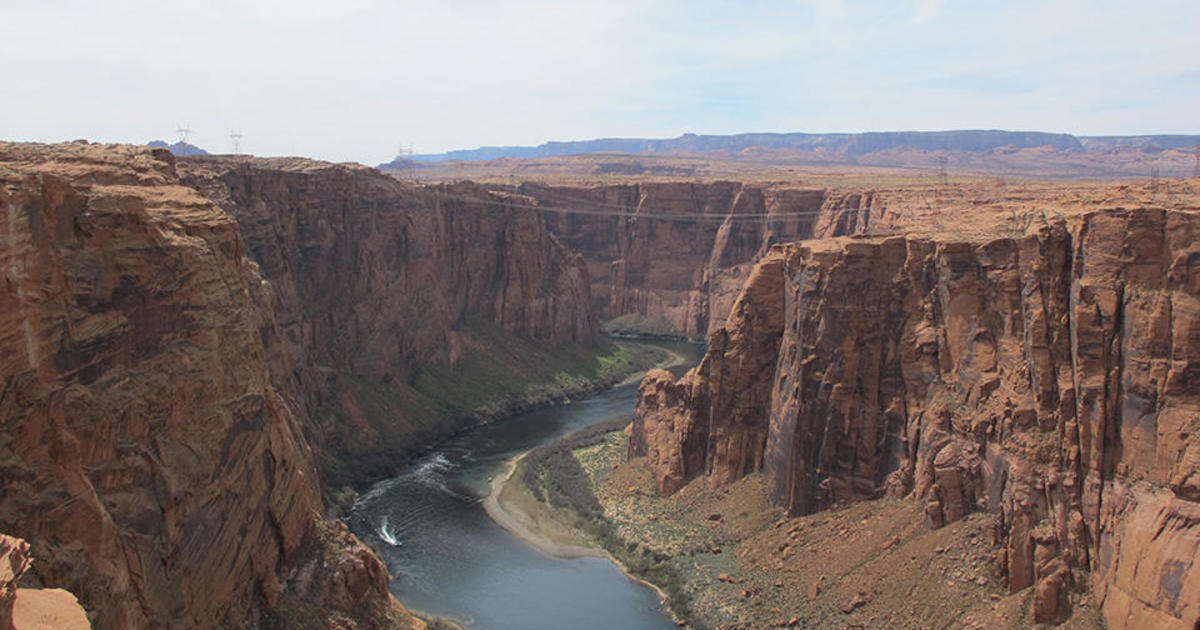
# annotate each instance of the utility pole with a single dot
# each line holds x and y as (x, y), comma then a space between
(236, 138)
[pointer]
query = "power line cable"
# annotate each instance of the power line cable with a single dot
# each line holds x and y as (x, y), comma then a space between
(633, 212)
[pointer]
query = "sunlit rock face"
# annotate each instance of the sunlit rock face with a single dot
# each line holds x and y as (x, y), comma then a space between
(669, 258)
(1049, 378)
(375, 280)
(150, 454)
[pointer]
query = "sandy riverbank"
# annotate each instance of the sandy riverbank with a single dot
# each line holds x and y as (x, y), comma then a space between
(542, 527)
(516, 510)
(548, 529)
(538, 525)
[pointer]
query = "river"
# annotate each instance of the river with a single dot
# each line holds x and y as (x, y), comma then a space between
(453, 561)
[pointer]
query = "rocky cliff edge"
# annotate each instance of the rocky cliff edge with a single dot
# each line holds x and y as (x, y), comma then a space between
(1048, 378)
(147, 454)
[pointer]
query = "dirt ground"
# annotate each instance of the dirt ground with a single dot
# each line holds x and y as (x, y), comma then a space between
(868, 565)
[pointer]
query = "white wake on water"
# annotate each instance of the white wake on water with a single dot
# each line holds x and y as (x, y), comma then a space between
(387, 535)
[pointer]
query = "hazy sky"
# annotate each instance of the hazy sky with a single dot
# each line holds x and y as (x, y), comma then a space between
(355, 79)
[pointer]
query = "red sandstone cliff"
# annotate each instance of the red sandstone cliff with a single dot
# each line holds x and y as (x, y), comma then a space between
(147, 454)
(674, 255)
(1048, 378)
(375, 281)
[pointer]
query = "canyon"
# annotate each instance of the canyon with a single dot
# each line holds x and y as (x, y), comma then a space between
(377, 285)
(668, 258)
(204, 356)
(1044, 377)
(178, 339)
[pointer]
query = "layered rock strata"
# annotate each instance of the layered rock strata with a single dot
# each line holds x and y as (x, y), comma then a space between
(149, 454)
(671, 257)
(1046, 378)
(375, 281)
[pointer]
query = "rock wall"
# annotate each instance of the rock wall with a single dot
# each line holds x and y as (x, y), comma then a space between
(673, 256)
(147, 453)
(1047, 378)
(375, 280)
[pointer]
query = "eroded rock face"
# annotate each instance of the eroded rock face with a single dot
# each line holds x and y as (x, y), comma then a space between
(690, 428)
(1045, 378)
(147, 454)
(374, 280)
(677, 254)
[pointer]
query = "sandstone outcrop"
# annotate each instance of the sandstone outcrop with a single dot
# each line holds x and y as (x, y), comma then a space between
(33, 608)
(672, 256)
(147, 453)
(1048, 378)
(14, 560)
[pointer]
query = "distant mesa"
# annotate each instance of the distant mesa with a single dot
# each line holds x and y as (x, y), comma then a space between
(849, 145)
(179, 148)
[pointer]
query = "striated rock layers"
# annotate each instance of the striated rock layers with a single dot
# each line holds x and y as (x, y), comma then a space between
(150, 450)
(375, 281)
(671, 257)
(1051, 379)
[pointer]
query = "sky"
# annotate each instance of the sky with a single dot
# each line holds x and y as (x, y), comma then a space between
(356, 80)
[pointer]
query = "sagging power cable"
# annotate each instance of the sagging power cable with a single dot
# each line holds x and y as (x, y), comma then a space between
(632, 212)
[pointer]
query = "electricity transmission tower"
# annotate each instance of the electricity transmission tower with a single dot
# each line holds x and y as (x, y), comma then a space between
(404, 157)
(183, 132)
(236, 138)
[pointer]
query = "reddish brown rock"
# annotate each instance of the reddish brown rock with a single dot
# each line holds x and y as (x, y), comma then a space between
(1046, 378)
(677, 253)
(147, 454)
(33, 608)
(375, 281)
(677, 428)
(14, 560)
